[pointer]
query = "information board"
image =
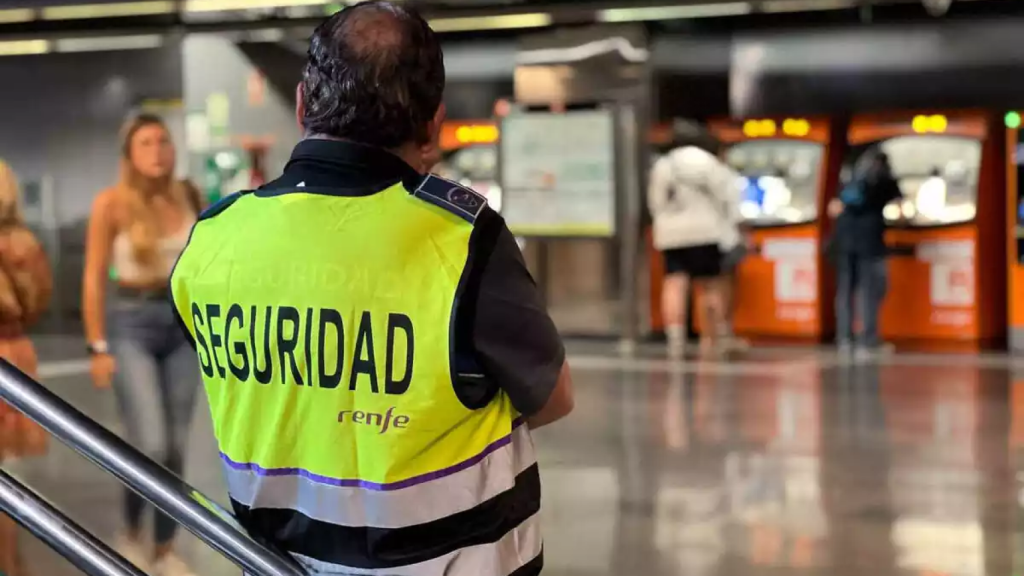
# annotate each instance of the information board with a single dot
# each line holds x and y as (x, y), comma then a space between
(558, 173)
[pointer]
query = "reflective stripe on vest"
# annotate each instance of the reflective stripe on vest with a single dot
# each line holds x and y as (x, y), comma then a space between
(351, 502)
(323, 325)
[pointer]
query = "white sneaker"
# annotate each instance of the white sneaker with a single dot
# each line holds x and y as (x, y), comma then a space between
(675, 339)
(883, 350)
(734, 343)
(171, 565)
(133, 551)
(676, 350)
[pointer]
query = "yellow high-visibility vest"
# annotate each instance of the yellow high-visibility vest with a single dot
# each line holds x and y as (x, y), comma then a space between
(323, 325)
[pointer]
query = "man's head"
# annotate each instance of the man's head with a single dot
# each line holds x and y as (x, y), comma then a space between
(375, 75)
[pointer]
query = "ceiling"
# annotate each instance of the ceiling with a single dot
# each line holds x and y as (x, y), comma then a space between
(42, 19)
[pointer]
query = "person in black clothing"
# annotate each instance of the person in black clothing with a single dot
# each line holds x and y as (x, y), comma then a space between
(860, 250)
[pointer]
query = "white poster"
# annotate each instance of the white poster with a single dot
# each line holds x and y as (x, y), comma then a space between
(558, 176)
(795, 269)
(952, 284)
(796, 281)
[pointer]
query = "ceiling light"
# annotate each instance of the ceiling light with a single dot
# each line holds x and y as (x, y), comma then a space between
(16, 15)
(108, 10)
(99, 44)
(674, 12)
(227, 5)
(491, 22)
(23, 47)
(805, 5)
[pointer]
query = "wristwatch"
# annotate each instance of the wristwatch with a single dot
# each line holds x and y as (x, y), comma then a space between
(98, 347)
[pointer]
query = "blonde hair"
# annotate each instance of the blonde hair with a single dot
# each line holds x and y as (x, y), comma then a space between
(10, 205)
(134, 192)
(25, 281)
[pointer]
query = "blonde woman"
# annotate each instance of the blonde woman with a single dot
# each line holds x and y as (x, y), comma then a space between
(25, 287)
(138, 228)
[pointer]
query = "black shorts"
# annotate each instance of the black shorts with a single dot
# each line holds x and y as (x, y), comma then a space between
(704, 261)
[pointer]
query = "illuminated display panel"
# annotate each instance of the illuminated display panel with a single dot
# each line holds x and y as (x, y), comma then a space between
(455, 135)
(779, 179)
(938, 175)
(476, 134)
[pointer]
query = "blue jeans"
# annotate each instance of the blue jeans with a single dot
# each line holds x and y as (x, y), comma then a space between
(155, 383)
(866, 278)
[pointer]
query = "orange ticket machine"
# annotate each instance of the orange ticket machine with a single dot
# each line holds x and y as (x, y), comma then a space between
(947, 237)
(788, 168)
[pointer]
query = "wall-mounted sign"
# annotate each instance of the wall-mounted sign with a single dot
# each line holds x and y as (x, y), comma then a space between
(197, 132)
(218, 117)
(558, 176)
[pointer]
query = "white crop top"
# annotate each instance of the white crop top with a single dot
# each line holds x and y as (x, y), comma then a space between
(169, 248)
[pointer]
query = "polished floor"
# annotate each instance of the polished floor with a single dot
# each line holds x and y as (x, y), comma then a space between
(783, 461)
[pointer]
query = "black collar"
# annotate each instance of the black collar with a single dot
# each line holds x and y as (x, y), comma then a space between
(343, 168)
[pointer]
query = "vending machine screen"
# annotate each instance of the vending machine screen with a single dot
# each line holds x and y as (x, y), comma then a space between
(937, 174)
(753, 193)
(779, 180)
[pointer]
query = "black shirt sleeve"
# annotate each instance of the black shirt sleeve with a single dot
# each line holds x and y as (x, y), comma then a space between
(512, 337)
(880, 194)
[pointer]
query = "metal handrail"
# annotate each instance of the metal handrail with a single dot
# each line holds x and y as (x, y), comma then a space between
(170, 494)
(61, 533)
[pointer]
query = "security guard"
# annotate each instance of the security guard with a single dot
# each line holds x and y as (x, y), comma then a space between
(374, 350)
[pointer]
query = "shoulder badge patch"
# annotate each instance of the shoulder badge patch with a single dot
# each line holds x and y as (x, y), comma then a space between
(452, 196)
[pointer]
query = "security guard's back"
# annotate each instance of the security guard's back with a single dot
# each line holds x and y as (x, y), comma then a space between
(373, 350)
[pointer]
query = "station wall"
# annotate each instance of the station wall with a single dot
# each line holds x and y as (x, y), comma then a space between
(61, 114)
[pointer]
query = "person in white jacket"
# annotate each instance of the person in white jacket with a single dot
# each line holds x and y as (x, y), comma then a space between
(694, 201)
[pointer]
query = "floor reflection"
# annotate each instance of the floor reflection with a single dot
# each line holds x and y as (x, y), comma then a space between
(799, 466)
(779, 463)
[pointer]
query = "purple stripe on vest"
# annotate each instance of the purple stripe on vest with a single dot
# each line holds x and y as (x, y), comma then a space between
(353, 483)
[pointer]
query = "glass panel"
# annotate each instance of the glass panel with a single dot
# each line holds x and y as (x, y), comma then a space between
(938, 176)
(475, 166)
(779, 180)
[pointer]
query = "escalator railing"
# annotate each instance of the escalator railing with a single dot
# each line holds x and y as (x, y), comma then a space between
(61, 533)
(167, 492)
